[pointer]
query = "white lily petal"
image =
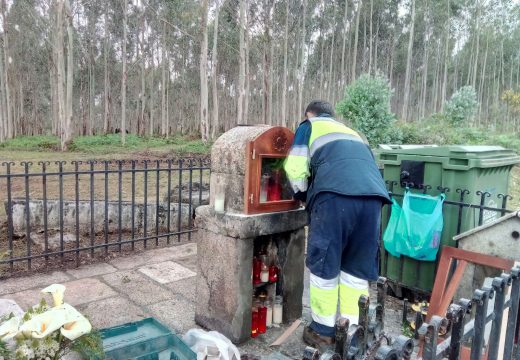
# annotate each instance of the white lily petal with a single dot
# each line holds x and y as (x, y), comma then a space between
(41, 325)
(9, 329)
(57, 291)
(76, 329)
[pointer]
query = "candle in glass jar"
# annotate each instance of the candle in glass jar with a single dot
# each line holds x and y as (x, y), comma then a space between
(254, 324)
(269, 315)
(278, 310)
(219, 204)
(262, 319)
(264, 274)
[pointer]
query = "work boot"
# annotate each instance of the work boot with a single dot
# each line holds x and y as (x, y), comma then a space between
(312, 338)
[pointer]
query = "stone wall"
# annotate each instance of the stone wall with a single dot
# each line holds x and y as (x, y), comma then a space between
(36, 217)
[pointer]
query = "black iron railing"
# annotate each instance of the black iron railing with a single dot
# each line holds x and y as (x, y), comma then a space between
(69, 210)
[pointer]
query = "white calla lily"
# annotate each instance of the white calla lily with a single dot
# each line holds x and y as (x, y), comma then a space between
(41, 325)
(57, 291)
(9, 329)
(76, 329)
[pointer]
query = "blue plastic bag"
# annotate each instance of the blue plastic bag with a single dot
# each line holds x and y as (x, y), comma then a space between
(395, 230)
(416, 228)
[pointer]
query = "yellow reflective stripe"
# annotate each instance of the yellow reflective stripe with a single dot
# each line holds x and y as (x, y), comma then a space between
(324, 127)
(296, 167)
(348, 299)
(324, 302)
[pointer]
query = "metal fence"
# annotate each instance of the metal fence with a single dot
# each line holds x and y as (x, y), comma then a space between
(73, 211)
(498, 342)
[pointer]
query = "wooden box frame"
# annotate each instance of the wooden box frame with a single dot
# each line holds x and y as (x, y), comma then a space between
(273, 143)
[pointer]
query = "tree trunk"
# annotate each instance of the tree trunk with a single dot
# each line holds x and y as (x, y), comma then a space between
(216, 127)
(164, 81)
(242, 64)
(406, 98)
(356, 38)
(142, 94)
(345, 33)
(124, 74)
(7, 88)
(284, 74)
(475, 66)
(266, 109)
(204, 125)
(371, 39)
(67, 131)
(106, 120)
(446, 61)
(302, 62)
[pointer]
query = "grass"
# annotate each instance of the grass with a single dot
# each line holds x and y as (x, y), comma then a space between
(99, 146)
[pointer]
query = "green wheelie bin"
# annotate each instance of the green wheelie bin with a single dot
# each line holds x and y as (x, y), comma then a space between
(466, 174)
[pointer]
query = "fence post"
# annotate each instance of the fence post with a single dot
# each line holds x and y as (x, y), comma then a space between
(430, 331)
(481, 298)
(513, 314)
(456, 314)
(364, 304)
(499, 286)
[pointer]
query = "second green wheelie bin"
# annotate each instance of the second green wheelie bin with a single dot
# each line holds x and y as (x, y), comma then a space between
(461, 172)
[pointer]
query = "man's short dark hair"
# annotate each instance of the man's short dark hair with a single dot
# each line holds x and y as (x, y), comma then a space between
(320, 107)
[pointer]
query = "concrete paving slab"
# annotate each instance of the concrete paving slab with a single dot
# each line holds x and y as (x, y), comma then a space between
(149, 257)
(186, 288)
(177, 314)
(166, 272)
(139, 288)
(17, 284)
(112, 311)
(91, 270)
(77, 292)
(182, 251)
(188, 262)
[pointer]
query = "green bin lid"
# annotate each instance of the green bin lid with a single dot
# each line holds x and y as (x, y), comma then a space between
(478, 155)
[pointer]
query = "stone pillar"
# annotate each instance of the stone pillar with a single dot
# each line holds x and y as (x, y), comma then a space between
(225, 258)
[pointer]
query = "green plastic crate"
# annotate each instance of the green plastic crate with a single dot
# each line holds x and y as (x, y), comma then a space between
(147, 339)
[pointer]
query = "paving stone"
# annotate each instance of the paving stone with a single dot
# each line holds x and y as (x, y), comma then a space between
(77, 292)
(187, 288)
(147, 257)
(188, 262)
(182, 251)
(92, 270)
(138, 287)
(18, 284)
(166, 272)
(112, 311)
(176, 313)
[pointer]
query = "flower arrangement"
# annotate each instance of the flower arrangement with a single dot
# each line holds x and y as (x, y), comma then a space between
(49, 333)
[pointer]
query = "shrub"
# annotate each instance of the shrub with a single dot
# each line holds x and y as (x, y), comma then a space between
(462, 106)
(367, 106)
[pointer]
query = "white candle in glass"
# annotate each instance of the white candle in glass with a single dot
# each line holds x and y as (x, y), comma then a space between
(278, 310)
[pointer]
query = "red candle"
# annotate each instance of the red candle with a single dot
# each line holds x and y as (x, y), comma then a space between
(257, 269)
(254, 324)
(262, 320)
(273, 274)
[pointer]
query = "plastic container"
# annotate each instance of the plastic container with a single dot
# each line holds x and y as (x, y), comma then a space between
(143, 340)
(472, 168)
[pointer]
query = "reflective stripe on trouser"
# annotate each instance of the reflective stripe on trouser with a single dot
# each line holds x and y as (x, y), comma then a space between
(350, 289)
(324, 300)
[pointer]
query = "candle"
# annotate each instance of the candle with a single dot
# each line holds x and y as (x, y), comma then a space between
(264, 274)
(278, 310)
(254, 324)
(219, 204)
(262, 319)
(269, 315)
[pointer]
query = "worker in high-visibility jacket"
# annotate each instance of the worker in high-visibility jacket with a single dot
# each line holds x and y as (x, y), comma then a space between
(332, 169)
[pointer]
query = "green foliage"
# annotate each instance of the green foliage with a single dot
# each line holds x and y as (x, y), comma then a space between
(105, 144)
(462, 106)
(90, 346)
(367, 106)
(32, 143)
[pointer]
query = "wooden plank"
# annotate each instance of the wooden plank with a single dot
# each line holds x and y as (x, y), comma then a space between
(287, 333)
